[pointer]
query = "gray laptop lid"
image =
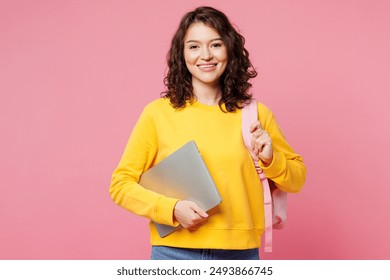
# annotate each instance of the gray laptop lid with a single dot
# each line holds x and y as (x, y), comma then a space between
(182, 175)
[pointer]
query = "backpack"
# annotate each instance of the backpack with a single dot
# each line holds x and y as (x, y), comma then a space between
(275, 200)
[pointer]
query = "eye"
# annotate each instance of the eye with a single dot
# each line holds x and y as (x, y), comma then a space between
(216, 45)
(192, 47)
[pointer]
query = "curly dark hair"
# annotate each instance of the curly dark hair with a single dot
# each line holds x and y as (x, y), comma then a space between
(234, 80)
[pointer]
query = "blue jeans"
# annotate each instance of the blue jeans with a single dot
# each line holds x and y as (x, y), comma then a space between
(173, 253)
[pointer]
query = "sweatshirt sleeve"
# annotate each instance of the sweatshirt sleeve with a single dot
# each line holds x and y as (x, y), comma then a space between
(138, 156)
(287, 169)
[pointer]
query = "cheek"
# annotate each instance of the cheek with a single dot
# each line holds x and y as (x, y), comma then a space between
(224, 55)
(190, 58)
(221, 55)
(224, 66)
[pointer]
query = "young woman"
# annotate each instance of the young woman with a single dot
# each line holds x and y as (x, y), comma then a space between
(207, 84)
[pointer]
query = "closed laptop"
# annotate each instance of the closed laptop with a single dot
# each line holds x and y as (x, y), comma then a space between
(182, 175)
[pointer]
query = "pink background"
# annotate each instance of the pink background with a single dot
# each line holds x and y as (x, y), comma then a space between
(75, 75)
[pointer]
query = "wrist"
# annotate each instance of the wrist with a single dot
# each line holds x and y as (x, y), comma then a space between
(267, 162)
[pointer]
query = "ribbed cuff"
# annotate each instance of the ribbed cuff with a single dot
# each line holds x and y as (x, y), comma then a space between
(277, 166)
(164, 211)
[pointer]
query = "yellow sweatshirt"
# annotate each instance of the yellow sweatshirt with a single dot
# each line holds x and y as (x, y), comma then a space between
(238, 222)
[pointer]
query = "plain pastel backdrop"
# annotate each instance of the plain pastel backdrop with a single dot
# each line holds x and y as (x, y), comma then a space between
(75, 75)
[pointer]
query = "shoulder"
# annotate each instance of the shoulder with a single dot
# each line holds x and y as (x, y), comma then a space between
(265, 115)
(262, 108)
(158, 105)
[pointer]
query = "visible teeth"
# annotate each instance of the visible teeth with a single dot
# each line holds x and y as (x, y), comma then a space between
(207, 66)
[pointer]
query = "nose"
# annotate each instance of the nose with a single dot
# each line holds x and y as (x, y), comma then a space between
(206, 54)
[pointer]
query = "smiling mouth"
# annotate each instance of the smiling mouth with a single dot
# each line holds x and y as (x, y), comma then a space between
(206, 66)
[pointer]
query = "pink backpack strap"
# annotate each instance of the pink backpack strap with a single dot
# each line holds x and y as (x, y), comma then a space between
(249, 116)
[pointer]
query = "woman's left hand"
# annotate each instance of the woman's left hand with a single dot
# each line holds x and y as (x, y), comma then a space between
(261, 144)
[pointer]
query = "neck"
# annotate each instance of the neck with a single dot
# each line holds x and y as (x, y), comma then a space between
(207, 94)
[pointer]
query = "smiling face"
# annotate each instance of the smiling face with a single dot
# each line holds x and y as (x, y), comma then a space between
(205, 55)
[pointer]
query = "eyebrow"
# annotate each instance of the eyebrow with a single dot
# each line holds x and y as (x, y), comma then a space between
(212, 40)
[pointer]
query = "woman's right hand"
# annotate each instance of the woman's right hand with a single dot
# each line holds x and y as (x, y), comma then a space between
(189, 214)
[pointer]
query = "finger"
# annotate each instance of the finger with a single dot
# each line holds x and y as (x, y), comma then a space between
(258, 134)
(199, 211)
(255, 146)
(195, 221)
(191, 220)
(197, 225)
(254, 126)
(255, 150)
(262, 142)
(255, 134)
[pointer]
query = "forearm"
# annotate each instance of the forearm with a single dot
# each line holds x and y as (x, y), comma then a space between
(133, 197)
